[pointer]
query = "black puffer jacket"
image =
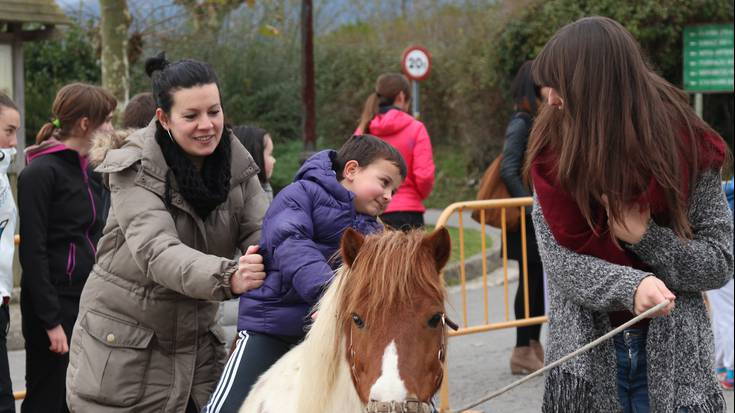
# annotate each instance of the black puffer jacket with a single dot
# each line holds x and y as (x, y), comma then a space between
(511, 171)
(62, 207)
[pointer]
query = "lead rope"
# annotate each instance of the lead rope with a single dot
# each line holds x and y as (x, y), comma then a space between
(577, 352)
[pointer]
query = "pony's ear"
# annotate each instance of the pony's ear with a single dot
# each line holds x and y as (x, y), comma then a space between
(351, 243)
(439, 245)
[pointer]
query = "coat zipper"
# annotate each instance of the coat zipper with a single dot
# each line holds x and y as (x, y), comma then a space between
(71, 261)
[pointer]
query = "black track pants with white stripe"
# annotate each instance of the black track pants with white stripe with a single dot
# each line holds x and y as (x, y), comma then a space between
(254, 354)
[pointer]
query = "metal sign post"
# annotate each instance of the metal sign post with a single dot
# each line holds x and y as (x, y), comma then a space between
(415, 99)
(416, 64)
(708, 60)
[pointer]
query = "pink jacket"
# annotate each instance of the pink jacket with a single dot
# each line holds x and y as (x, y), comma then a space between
(409, 136)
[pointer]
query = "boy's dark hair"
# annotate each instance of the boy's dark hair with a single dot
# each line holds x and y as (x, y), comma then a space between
(252, 138)
(168, 77)
(139, 111)
(7, 102)
(366, 149)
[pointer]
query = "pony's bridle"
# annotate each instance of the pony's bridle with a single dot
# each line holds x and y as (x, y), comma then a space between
(411, 404)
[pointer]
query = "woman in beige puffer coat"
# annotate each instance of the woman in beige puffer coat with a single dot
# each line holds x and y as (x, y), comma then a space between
(184, 196)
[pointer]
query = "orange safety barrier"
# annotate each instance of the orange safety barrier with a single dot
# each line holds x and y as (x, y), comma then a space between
(465, 328)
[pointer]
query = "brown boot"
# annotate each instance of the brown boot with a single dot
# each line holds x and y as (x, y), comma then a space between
(524, 361)
(537, 349)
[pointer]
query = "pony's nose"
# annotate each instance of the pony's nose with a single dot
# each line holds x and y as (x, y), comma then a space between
(389, 386)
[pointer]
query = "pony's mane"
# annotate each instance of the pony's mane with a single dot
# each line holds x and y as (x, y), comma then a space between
(324, 345)
(391, 267)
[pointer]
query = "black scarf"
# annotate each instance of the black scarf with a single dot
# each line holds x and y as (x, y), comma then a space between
(206, 189)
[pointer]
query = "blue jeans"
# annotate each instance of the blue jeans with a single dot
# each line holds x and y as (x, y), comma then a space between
(630, 348)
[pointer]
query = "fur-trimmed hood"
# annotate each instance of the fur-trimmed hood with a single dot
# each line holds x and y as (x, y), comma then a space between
(103, 142)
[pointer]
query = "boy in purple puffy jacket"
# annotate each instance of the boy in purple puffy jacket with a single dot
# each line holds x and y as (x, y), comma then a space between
(301, 233)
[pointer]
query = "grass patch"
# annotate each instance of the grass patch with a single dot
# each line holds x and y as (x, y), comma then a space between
(452, 183)
(472, 242)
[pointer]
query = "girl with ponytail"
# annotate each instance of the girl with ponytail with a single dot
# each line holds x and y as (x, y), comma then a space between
(62, 207)
(385, 115)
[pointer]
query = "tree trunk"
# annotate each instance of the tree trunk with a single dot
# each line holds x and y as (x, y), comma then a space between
(114, 28)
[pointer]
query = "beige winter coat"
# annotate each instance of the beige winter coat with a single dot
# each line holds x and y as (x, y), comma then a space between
(146, 339)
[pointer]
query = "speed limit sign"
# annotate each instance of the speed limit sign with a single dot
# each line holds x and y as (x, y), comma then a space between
(416, 63)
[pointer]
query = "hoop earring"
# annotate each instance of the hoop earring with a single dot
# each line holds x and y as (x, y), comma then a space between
(170, 136)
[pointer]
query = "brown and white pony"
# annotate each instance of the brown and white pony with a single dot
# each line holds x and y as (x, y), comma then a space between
(379, 340)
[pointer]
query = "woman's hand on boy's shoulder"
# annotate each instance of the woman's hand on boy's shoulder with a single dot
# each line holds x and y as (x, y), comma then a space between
(250, 272)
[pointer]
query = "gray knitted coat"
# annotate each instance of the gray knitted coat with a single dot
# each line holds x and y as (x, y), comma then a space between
(583, 289)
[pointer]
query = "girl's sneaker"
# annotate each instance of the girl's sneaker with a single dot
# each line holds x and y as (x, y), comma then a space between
(727, 383)
(721, 373)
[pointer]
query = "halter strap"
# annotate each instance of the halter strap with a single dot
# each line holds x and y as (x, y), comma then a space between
(407, 406)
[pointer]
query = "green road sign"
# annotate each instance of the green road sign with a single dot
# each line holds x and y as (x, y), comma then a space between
(708, 58)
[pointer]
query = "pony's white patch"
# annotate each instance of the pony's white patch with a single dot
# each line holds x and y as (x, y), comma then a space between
(389, 386)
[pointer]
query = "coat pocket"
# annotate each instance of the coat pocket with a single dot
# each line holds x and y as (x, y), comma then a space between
(113, 360)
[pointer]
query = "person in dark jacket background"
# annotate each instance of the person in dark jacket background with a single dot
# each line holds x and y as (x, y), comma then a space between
(528, 354)
(62, 207)
(301, 233)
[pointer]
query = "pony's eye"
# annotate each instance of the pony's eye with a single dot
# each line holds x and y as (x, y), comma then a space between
(435, 320)
(358, 321)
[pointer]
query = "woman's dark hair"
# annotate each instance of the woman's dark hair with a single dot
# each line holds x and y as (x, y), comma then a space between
(73, 102)
(253, 139)
(621, 125)
(524, 91)
(387, 88)
(139, 111)
(366, 149)
(168, 77)
(7, 102)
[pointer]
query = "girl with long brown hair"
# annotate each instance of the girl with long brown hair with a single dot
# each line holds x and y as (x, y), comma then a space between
(386, 116)
(62, 206)
(629, 212)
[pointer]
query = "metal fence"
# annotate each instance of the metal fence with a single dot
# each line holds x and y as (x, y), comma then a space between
(465, 328)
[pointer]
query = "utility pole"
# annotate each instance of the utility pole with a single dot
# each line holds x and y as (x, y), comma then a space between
(307, 79)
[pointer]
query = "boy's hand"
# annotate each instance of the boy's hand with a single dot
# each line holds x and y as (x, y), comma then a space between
(650, 292)
(250, 272)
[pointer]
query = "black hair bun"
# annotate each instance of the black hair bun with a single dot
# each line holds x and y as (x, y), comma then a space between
(158, 62)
